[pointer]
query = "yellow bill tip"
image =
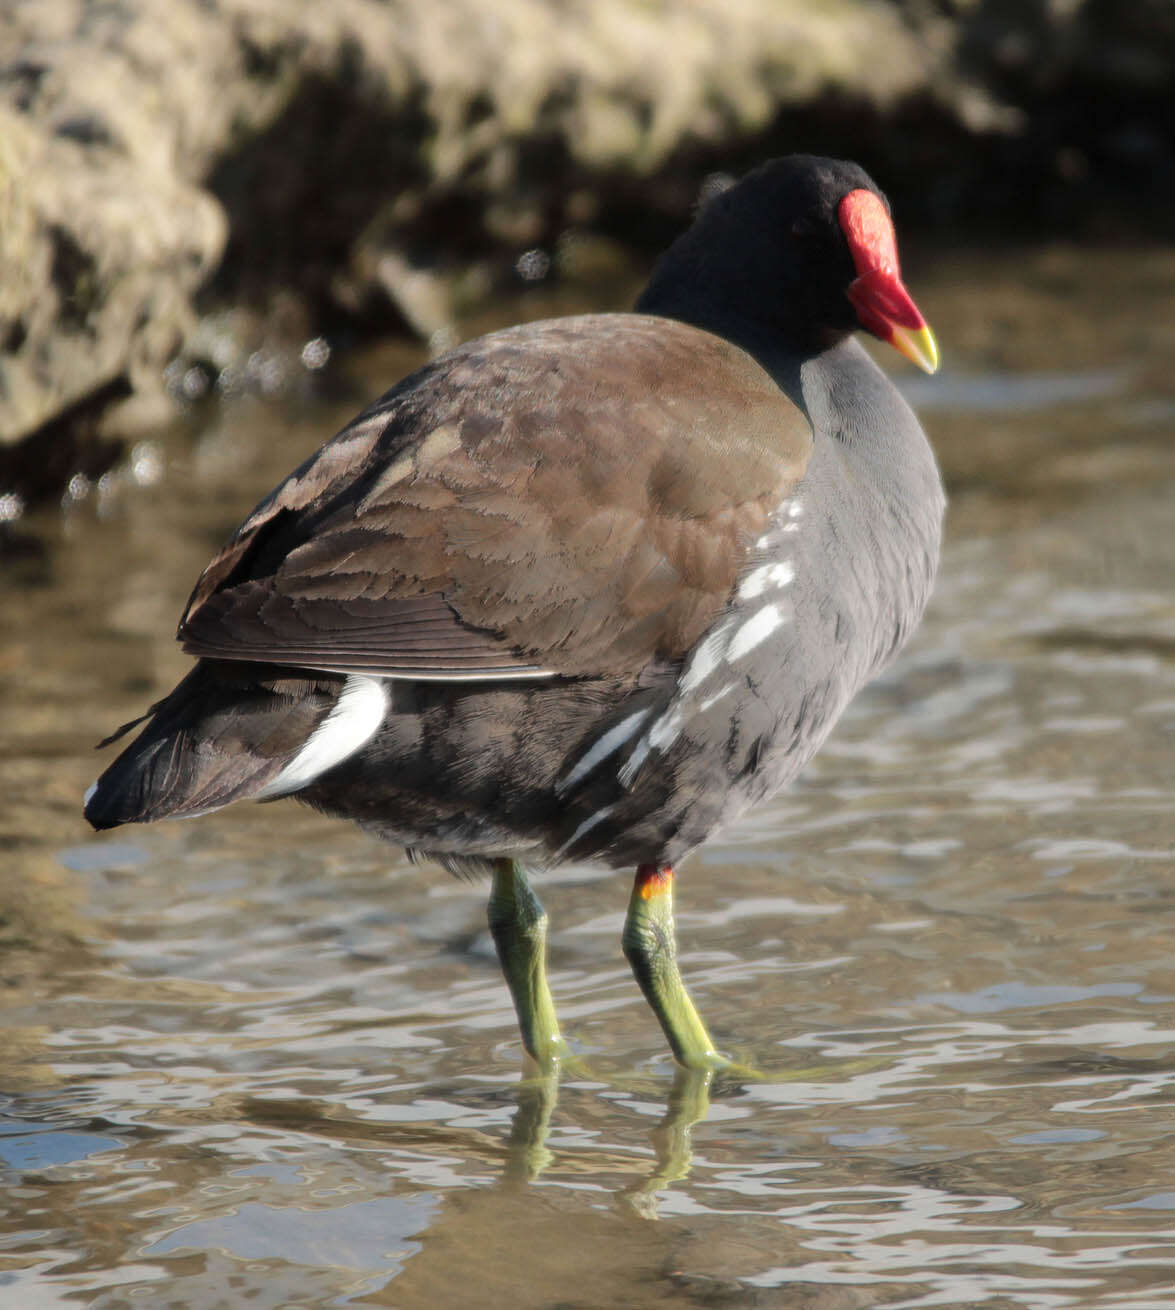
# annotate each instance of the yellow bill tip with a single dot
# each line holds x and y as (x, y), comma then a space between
(918, 345)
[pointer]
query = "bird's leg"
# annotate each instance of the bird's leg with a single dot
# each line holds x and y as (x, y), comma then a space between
(518, 924)
(650, 944)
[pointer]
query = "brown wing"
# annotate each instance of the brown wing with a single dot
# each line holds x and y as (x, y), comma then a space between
(569, 497)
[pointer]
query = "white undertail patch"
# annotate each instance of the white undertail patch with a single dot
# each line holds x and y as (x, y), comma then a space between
(352, 723)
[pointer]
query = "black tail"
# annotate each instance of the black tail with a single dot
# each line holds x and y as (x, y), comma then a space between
(222, 735)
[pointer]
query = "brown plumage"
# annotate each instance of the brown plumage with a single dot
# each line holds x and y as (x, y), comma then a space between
(571, 531)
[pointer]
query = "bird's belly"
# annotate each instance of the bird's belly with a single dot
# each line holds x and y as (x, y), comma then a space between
(619, 774)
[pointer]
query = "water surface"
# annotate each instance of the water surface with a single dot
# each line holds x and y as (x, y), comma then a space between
(259, 1059)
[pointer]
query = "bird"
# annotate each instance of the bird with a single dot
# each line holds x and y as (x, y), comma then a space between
(582, 589)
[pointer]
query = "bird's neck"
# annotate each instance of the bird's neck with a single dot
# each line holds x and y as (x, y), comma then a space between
(895, 522)
(778, 347)
(692, 289)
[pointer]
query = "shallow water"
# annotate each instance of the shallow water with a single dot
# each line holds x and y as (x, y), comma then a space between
(258, 1059)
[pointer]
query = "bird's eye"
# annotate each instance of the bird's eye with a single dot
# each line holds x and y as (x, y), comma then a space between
(802, 229)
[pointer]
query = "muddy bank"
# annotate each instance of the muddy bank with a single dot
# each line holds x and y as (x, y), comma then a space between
(383, 165)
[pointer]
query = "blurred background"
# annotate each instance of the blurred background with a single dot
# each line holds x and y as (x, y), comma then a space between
(258, 1058)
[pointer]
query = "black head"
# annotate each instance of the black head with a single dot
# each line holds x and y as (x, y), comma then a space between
(801, 249)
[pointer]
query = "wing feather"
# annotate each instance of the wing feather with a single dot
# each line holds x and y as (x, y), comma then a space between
(569, 497)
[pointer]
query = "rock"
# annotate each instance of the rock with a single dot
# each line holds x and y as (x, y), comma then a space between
(100, 256)
(135, 139)
(375, 157)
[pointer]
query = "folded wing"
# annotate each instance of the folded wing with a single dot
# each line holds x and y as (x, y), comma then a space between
(562, 498)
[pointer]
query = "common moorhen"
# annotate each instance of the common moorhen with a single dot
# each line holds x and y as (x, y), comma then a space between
(583, 589)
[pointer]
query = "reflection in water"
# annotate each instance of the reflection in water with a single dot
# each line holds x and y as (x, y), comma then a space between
(261, 1060)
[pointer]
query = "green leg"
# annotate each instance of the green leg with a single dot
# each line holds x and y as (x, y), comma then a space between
(650, 945)
(518, 924)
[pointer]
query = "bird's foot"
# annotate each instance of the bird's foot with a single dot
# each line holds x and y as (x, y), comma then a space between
(723, 1070)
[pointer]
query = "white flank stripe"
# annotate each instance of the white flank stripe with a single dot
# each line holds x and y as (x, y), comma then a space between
(607, 745)
(634, 762)
(667, 729)
(661, 735)
(586, 826)
(756, 629)
(704, 705)
(705, 659)
(766, 575)
(357, 714)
